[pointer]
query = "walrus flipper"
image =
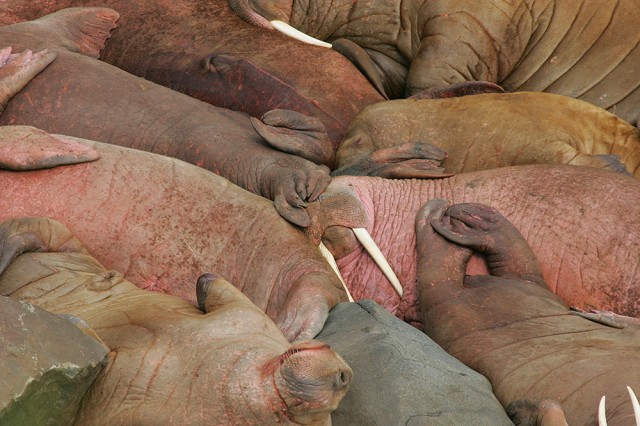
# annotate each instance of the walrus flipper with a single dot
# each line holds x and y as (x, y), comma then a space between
(25, 148)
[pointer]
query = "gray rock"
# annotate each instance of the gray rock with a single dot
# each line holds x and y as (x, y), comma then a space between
(46, 365)
(401, 377)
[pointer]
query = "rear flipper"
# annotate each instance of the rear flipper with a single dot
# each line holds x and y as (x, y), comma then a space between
(405, 161)
(29, 148)
(18, 69)
(485, 230)
(79, 29)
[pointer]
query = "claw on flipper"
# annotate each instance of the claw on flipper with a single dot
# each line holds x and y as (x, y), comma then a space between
(327, 255)
(372, 248)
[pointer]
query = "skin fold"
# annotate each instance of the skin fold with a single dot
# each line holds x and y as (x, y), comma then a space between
(139, 114)
(206, 52)
(170, 362)
(508, 326)
(579, 221)
(582, 49)
(493, 130)
(126, 213)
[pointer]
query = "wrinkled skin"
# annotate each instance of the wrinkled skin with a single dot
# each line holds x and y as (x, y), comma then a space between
(581, 222)
(170, 362)
(508, 326)
(493, 130)
(207, 52)
(130, 111)
(584, 49)
(162, 230)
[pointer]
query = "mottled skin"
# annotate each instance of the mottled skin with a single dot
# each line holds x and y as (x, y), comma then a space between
(205, 51)
(581, 222)
(83, 97)
(170, 362)
(163, 229)
(508, 326)
(584, 49)
(493, 130)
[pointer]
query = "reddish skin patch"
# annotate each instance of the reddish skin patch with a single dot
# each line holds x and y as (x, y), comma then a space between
(251, 69)
(588, 266)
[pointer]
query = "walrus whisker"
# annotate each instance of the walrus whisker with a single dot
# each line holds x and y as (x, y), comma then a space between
(372, 248)
(332, 262)
(288, 30)
(636, 405)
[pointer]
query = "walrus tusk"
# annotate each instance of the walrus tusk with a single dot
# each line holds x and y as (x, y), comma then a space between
(288, 30)
(372, 248)
(327, 255)
(636, 405)
(602, 418)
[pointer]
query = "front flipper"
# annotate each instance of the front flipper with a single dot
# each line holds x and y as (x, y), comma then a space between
(406, 161)
(485, 230)
(297, 134)
(24, 235)
(291, 188)
(361, 59)
(441, 265)
(17, 70)
(307, 306)
(27, 148)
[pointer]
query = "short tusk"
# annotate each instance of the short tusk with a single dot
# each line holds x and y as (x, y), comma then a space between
(372, 248)
(288, 30)
(602, 417)
(636, 405)
(327, 255)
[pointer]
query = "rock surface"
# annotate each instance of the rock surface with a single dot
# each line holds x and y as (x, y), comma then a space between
(47, 364)
(402, 377)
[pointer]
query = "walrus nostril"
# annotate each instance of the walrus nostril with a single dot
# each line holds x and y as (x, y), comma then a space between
(343, 378)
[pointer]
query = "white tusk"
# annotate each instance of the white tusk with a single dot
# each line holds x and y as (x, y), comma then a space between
(372, 248)
(327, 255)
(636, 405)
(288, 30)
(602, 417)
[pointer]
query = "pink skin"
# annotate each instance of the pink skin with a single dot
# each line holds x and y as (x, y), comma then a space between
(229, 64)
(554, 207)
(136, 113)
(509, 327)
(171, 363)
(125, 212)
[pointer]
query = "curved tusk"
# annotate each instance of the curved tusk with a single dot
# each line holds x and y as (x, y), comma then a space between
(636, 405)
(288, 30)
(602, 418)
(332, 261)
(372, 248)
